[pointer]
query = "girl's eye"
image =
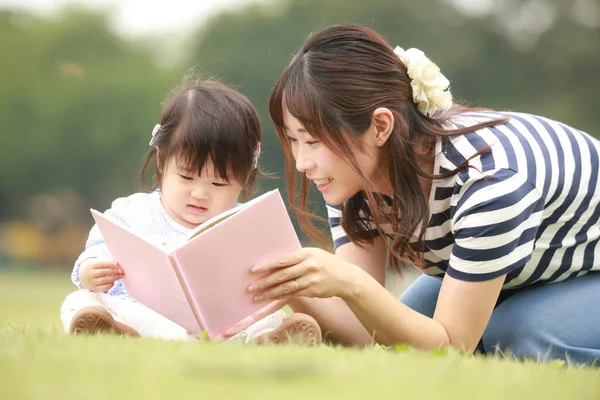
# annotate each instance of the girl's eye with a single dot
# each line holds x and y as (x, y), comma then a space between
(219, 184)
(187, 178)
(291, 140)
(312, 142)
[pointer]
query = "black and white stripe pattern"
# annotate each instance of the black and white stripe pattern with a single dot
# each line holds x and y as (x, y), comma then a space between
(529, 208)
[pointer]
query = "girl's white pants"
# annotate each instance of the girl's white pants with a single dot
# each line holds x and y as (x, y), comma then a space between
(147, 322)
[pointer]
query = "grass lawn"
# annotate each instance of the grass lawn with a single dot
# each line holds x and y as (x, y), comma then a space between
(39, 361)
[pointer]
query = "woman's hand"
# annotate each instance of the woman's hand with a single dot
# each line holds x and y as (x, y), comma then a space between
(309, 272)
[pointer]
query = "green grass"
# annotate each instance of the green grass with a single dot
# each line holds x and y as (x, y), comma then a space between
(39, 361)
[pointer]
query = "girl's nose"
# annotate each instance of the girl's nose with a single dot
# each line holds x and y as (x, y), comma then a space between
(199, 192)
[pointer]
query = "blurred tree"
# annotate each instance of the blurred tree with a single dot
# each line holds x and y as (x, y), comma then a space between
(75, 102)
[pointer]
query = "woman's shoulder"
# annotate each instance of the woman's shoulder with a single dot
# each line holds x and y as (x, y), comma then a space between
(477, 134)
(511, 143)
(510, 122)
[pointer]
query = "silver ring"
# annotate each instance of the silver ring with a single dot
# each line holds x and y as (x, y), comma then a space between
(297, 287)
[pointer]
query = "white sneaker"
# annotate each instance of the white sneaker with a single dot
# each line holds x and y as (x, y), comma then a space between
(94, 320)
(261, 327)
(279, 328)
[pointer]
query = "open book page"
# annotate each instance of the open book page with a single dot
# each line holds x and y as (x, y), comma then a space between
(213, 222)
(149, 275)
(206, 225)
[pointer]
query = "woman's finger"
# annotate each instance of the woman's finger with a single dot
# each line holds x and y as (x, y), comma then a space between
(281, 262)
(279, 290)
(306, 292)
(288, 288)
(278, 277)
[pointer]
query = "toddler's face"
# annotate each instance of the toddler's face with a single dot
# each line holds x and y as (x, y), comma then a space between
(191, 199)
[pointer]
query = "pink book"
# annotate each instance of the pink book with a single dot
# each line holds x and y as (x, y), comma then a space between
(202, 284)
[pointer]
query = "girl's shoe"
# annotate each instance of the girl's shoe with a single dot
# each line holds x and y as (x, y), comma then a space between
(298, 329)
(94, 320)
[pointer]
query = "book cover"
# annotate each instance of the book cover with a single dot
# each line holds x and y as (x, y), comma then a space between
(201, 284)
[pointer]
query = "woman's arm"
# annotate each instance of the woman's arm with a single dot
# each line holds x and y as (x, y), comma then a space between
(462, 313)
(337, 321)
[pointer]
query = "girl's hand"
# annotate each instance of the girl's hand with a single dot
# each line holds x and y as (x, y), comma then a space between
(308, 272)
(99, 275)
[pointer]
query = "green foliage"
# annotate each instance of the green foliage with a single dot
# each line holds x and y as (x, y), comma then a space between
(77, 102)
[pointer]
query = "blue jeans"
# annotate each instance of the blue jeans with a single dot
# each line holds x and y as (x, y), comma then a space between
(545, 322)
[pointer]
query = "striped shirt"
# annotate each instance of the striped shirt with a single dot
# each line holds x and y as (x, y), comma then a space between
(145, 215)
(528, 208)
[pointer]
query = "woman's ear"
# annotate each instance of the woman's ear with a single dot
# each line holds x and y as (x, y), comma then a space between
(382, 124)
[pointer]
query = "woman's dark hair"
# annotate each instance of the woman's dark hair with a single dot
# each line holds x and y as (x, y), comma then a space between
(335, 82)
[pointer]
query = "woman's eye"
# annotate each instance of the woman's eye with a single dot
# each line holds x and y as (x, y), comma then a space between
(291, 139)
(312, 142)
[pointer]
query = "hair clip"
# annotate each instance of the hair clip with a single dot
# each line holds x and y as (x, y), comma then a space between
(154, 132)
(256, 155)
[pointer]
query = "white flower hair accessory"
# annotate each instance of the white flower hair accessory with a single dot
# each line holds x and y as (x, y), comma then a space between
(154, 132)
(427, 82)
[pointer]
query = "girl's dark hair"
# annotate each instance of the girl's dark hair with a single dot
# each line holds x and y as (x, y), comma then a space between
(335, 82)
(202, 120)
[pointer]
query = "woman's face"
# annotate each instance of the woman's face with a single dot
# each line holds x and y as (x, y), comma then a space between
(333, 176)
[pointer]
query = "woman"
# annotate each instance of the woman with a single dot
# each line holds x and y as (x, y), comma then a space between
(499, 210)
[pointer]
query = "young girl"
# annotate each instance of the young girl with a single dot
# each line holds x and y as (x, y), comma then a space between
(206, 149)
(500, 210)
